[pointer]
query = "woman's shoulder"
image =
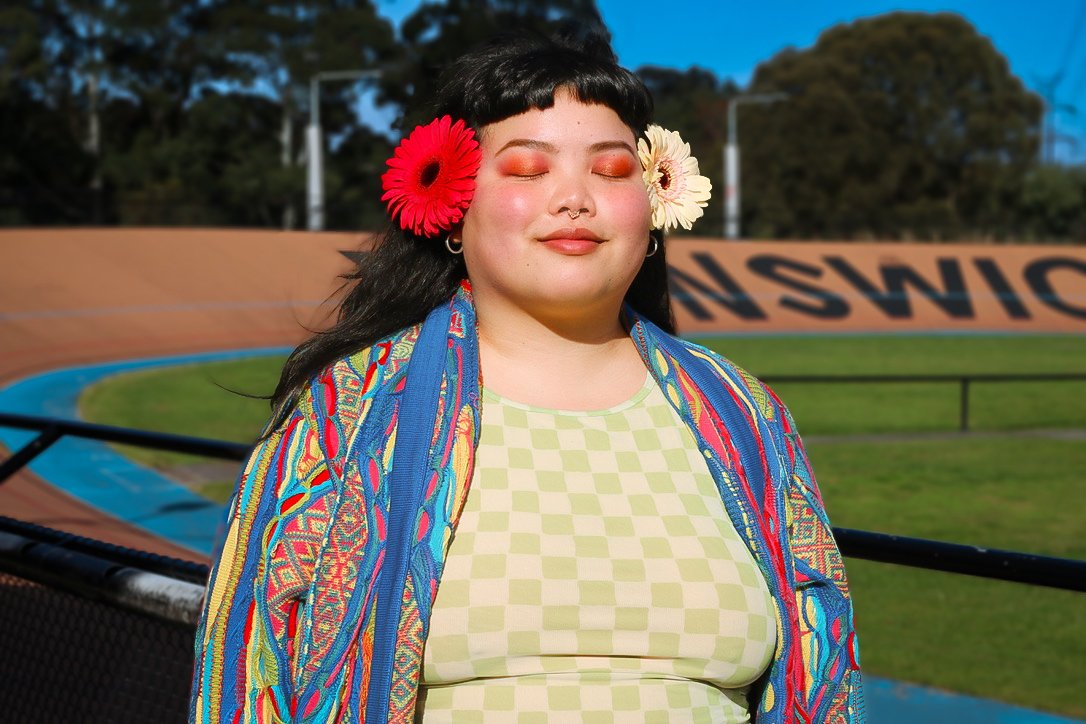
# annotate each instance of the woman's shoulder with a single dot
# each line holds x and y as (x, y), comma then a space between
(344, 390)
(369, 370)
(738, 378)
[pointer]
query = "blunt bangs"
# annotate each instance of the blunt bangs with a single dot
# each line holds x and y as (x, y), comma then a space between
(515, 74)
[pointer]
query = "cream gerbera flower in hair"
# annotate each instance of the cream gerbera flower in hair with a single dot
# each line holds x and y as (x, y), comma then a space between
(677, 193)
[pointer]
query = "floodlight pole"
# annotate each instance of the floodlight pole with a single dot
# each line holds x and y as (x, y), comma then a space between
(731, 160)
(315, 170)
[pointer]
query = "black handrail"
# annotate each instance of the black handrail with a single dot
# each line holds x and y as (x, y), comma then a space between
(964, 380)
(916, 552)
(1008, 377)
(1063, 573)
(53, 429)
(176, 568)
(101, 578)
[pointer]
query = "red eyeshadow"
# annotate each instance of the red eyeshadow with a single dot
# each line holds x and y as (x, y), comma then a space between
(619, 166)
(520, 164)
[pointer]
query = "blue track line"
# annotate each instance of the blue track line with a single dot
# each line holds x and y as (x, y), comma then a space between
(94, 473)
(895, 702)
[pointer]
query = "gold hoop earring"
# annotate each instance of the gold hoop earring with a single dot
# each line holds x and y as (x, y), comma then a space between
(655, 247)
(454, 250)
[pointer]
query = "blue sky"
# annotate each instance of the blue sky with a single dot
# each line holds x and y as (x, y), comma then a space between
(1039, 38)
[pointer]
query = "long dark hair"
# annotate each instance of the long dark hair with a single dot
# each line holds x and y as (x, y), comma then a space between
(405, 276)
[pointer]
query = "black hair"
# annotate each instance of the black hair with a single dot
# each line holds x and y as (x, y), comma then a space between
(405, 276)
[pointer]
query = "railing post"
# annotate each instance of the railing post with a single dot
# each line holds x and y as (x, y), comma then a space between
(29, 451)
(964, 416)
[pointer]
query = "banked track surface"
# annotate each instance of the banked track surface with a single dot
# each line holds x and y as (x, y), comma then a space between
(79, 296)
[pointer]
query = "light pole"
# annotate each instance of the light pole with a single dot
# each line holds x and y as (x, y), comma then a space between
(315, 171)
(731, 160)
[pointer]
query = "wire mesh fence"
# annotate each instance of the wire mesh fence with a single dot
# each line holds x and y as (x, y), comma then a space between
(71, 659)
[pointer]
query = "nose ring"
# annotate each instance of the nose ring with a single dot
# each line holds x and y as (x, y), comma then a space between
(573, 214)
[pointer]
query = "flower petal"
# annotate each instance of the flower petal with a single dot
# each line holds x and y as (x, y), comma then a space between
(664, 153)
(427, 210)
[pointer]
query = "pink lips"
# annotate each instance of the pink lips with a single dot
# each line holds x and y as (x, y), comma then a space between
(571, 241)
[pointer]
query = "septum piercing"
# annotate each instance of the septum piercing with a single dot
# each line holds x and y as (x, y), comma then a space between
(573, 214)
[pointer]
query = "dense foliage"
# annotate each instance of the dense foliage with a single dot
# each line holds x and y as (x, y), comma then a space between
(905, 125)
(898, 125)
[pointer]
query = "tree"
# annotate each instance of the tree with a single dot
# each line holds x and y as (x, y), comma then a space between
(159, 59)
(45, 171)
(905, 125)
(1053, 206)
(51, 75)
(438, 33)
(280, 45)
(694, 103)
(220, 167)
(353, 181)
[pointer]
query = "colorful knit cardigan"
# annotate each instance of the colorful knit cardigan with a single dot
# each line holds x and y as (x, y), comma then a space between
(296, 627)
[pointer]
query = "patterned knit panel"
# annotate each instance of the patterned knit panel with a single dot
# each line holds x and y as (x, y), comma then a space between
(829, 646)
(451, 456)
(277, 597)
(245, 647)
(405, 674)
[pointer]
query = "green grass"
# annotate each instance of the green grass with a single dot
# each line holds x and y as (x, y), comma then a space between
(201, 400)
(1018, 643)
(857, 408)
(907, 354)
(1014, 642)
(996, 640)
(1019, 493)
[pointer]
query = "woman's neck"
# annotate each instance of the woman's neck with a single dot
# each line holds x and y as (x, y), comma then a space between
(578, 362)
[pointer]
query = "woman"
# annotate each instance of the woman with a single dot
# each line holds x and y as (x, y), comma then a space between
(499, 489)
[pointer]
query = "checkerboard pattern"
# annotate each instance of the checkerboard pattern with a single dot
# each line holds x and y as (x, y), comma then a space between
(594, 576)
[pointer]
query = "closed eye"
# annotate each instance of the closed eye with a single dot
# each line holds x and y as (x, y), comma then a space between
(523, 166)
(618, 166)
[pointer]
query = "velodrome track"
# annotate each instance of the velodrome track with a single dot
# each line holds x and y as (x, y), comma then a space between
(81, 296)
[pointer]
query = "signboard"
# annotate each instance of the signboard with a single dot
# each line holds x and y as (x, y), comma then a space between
(740, 287)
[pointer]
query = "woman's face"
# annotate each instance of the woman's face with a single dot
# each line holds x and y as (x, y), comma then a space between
(538, 169)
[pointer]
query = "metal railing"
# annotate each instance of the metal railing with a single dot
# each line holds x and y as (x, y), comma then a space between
(53, 429)
(91, 631)
(964, 381)
(916, 552)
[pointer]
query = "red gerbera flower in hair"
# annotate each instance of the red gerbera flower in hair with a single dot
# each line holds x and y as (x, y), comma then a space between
(431, 178)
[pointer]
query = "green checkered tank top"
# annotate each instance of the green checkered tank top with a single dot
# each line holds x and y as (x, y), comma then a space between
(594, 576)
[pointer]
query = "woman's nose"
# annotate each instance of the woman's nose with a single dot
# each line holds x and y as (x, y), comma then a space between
(572, 195)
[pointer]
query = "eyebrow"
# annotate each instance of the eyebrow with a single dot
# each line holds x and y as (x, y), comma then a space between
(551, 148)
(610, 145)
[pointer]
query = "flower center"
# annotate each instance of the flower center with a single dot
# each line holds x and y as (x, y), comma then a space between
(429, 173)
(665, 179)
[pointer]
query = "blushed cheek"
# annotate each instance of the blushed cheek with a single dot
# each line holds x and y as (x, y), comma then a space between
(510, 212)
(494, 226)
(633, 208)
